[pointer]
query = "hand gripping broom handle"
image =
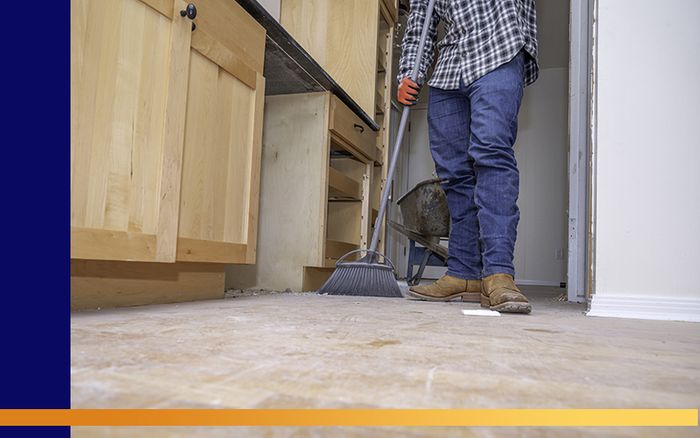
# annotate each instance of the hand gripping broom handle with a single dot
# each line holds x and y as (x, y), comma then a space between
(402, 130)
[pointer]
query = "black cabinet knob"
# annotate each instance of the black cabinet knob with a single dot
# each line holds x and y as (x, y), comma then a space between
(190, 12)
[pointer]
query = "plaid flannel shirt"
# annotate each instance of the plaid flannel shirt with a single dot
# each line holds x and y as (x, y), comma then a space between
(480, 36)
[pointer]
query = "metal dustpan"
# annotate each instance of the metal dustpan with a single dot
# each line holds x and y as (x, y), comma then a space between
(424, 209)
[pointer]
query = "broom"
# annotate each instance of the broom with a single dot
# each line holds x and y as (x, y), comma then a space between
(369, 276)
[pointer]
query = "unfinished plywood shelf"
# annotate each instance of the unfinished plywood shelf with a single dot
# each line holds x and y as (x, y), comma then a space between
(318, 164)
(342, 187)
(336, 249)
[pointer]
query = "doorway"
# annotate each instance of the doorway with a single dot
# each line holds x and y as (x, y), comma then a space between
(552, 154)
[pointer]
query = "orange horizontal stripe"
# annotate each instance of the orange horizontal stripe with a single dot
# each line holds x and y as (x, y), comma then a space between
(349, 417)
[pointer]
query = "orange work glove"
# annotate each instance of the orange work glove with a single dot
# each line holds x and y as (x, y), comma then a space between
(407, 92)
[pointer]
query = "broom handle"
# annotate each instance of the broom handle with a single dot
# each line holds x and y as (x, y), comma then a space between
(402, 130)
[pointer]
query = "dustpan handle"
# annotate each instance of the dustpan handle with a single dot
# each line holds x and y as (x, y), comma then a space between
(402, 130)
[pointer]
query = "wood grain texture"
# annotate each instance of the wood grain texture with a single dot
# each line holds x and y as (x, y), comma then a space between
(165, 7)
(116, 144)
(297, 219)
(192, 250)
(120, 69)
(306, 21)
(104, 284)
(139, 96)
(223, 57)
(221, 164)
(227, 23)
(112, 245)
(173, 142)
(351, 52)
(341, 36)
(293, 190)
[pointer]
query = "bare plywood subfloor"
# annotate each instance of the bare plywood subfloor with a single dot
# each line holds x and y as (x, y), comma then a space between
(305, 350)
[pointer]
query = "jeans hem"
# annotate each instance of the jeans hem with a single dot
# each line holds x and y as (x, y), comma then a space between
(463, 276)
(499, 271)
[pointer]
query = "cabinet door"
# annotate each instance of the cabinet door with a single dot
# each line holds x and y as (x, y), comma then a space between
(129, 62)
(223, 134)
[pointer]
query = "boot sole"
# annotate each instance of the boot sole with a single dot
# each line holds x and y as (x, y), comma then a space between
(507, 307)
(472, 297)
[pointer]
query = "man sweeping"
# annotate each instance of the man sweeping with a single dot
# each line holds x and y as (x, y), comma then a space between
(486, 58)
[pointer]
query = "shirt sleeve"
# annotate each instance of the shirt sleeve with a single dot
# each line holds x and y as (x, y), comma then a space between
(411, 38)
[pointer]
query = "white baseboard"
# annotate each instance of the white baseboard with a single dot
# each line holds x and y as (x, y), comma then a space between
(537, 282)
(646, 307)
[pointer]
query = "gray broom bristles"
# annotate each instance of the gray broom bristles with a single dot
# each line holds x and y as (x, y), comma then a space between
(362, 279)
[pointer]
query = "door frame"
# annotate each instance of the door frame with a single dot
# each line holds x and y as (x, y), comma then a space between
(580, 232)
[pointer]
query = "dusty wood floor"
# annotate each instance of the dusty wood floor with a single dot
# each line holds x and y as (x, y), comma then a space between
(304, 350)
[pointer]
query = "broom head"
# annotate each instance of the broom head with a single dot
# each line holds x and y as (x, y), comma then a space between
(364, 277)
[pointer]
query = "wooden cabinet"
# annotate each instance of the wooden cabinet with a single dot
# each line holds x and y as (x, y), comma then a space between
(166, 126)
(349, 40)
(352, 40)
(223, 129)
(317, 169)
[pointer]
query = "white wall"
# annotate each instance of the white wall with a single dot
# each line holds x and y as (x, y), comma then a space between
(647, 153)
(541, 151)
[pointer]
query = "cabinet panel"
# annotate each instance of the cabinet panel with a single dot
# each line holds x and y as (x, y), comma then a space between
(351, 48)
(342, 37)
(96, 284)
(127, 100)
(229, 25)
(221, 162)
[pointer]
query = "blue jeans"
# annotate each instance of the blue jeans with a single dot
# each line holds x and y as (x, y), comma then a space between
(472, 131)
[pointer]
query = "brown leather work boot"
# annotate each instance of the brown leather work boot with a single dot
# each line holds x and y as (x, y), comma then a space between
(448, 288)
(499, 292)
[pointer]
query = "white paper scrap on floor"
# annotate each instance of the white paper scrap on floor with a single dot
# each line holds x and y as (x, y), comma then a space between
(480, 312)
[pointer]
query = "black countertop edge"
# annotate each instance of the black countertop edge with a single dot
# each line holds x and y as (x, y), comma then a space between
(288, 44)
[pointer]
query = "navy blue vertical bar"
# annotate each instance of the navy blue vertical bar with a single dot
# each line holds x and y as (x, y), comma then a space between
(35, 295)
